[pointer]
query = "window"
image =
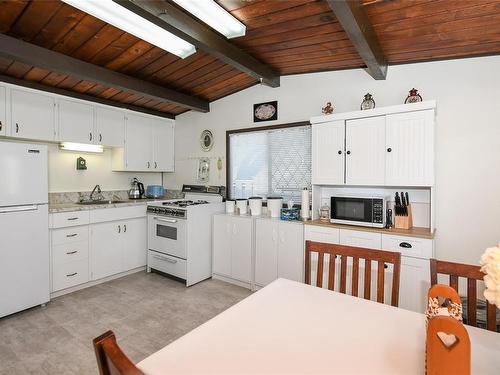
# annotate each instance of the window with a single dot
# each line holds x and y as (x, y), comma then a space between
(270, 162)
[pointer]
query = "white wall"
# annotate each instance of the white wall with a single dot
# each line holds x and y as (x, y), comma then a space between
(467, 136)
(63, 176)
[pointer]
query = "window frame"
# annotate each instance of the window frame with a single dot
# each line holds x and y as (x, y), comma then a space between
(251, 130)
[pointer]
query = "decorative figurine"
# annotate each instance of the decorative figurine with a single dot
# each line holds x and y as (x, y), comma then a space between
(327, 109)
(413, 96)
(368, 102)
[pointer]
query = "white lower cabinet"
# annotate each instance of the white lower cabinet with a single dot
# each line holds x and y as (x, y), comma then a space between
(233, 247)
(415, 252)
(104, 247)
(279, 251)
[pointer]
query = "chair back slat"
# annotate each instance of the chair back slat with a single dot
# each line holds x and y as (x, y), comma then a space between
(307, 265)
(356, 254)
(355, 276)
(319, 274)
(368, 278)
(472, 273)
(343, 274)
(331, 272)
(471, 301)
(110, 358)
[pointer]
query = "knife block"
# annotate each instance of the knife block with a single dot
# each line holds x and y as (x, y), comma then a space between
(404, 222)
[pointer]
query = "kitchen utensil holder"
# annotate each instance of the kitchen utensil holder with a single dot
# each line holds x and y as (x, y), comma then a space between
(404, 222)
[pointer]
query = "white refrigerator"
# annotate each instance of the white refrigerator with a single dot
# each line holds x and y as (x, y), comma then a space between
(24, 223)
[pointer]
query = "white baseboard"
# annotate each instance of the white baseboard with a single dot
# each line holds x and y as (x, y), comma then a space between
(233, 281)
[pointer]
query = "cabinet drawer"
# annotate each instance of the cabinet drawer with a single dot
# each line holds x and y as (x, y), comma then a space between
(70, 235)
(408, 246)
(70, 274)
(69, 219)
(321, 234)
(69, 252)
(164, 263)
(356, 238)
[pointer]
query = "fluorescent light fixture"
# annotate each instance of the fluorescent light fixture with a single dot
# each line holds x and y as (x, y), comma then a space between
(124, 19)
(81, 147)
(215, 16)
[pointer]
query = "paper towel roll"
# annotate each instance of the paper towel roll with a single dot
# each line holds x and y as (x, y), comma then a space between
(304, 207)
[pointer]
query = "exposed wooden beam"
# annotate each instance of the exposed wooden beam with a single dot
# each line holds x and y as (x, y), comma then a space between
(171, 18)
(31, 54)
(77, 95)
(356, 24)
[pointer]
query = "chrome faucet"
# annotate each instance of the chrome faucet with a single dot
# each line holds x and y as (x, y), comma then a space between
(99, 194)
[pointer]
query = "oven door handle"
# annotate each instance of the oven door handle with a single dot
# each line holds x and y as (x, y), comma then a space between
(165, 220)
(173, 261)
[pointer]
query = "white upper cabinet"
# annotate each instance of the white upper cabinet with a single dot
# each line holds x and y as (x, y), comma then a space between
(365, 151)
(109, 127)
(410, 149)
(32, 115)
(328, 153)
(3, 112)
(139, 143)
(76, 121)
(163, 143)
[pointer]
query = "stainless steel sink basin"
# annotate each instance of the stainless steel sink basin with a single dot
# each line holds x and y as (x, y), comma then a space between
(89, 203)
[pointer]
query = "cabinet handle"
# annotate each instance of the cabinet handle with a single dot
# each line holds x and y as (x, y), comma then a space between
(0, 126)
(173, 261)
(72, 235)
(406, 245)
(71, 252)
(348, 152)
(17, 127)
(389, 149)
(100, 137)
(72, 218)
(90, 136)
(156, 165)
(119, 228)
(124, 228)
(149, 164)
(72, 274)
(386, 266)
(339, 152)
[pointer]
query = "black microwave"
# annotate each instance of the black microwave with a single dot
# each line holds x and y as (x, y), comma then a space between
(358, 210)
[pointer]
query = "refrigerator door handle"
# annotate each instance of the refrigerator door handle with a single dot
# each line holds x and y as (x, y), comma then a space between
(4, 210)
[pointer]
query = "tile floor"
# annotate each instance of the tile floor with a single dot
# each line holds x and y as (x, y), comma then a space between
(146, 312)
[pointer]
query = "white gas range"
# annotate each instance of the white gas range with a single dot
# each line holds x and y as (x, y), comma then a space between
(180, 233)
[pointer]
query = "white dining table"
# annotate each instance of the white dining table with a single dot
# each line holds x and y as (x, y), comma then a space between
(293, 328)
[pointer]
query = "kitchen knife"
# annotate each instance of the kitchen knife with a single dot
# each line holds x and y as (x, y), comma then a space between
(403, 205)
(407, 199)
(397, 205)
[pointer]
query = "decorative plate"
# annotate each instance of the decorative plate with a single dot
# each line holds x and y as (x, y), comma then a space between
(206, 140)
(265, 111)
(413, 96)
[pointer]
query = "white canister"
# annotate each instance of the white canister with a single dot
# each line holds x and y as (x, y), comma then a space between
(230, 203)
(241, 205)
(255, 205)
(274, 205)
(304, 207)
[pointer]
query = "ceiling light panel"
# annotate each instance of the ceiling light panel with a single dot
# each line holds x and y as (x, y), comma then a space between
(215, 16)
(122, 18)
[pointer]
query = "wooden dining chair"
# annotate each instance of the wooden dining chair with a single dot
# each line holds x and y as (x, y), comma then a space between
(472, 274)
(357, 254)
(110, 358)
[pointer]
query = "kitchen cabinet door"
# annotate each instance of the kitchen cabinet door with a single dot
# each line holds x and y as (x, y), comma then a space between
(241, 249)
(107, 244)
(365, 151)
(291, 251)
(163, 139)
(266, 251)
(3, 112)
(32, 115)
(109, 127)
(410, 149)
(138, 143)
(135, 243)
(414, 284)
(328, 155)
(76, 122)
(222, 245)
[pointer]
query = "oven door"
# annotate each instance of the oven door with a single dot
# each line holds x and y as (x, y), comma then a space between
(352, 210)
(167, 235)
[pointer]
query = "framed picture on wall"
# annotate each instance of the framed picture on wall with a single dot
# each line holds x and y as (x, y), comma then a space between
(267, 111)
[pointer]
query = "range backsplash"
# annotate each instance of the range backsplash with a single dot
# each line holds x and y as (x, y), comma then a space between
(72, 197)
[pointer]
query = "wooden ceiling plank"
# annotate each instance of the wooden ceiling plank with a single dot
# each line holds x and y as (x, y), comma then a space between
(103, 38)
(68, 83)
(174, 20)
(356, 23)
(62, 64)
(11, 10)
(135, 51)
(72, 94)
(206, 78)
(79, 35)
(36, 74)
(34, 17)
(114, 49)
(378, 8)
(18, 69)
(53, 79)
(179, 70)
(198, 74)
(155, 66)
(231, 5)
(337, 40)
(4, 64)
(255, 10)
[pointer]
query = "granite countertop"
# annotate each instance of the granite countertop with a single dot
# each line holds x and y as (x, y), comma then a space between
(67, 207)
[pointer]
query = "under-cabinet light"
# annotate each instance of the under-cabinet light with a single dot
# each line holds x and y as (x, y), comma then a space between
(215, 16)
(81, 147)
(126, 20)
